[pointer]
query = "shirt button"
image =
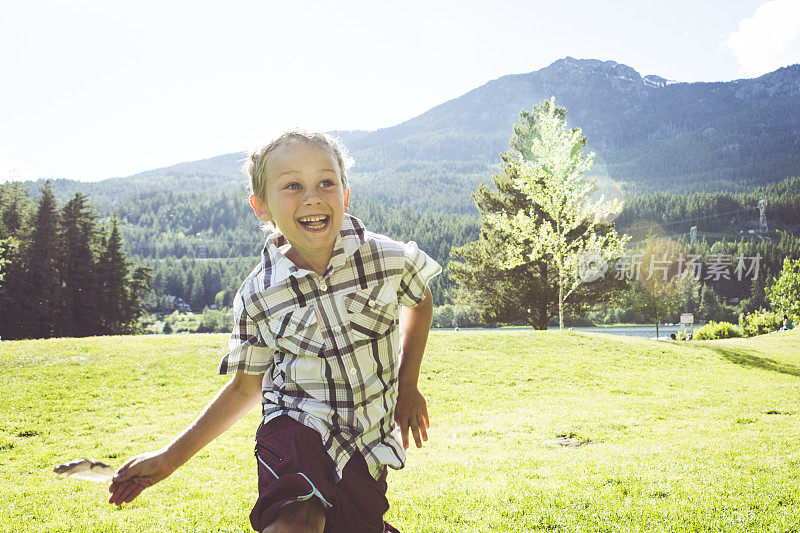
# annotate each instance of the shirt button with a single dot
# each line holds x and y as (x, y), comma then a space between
(337, 328)
(353, 371)
(323, 287)
(371, 303)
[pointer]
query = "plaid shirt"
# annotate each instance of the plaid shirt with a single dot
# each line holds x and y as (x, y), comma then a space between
(328, 345)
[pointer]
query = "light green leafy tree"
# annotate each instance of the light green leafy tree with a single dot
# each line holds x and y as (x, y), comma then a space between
(554, 180)
(4, 245)
(784, 294)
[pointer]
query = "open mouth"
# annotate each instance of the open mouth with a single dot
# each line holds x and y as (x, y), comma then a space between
(314, 222)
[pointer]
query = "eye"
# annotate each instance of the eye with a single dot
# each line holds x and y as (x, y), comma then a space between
(328, 183)
(293, 186)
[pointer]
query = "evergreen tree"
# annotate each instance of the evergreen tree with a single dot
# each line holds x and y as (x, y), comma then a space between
(16, 210)
(197, 296)
(15, 207)
(79, 268)
(13, 299)
(43, 305)
(139, 290)
(114, 298)
(52, 281)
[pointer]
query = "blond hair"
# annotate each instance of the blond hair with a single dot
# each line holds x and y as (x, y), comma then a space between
(257, 163)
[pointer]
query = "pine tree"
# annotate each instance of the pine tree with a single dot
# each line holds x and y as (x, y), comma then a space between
(521, 295)
(15, 212)
(114, 297)
(197, 292)
(15, 207)
(79, 268)
(44, 289)
(13, 298)
(139, 288)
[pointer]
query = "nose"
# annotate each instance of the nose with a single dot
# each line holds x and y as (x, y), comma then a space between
(312, 197)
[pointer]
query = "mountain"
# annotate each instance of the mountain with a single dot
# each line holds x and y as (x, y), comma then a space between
(738, 140)
(649, 134)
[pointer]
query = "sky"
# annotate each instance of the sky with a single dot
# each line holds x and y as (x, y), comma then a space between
(94, 89)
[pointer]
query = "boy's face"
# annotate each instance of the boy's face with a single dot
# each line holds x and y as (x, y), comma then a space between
(304, 198)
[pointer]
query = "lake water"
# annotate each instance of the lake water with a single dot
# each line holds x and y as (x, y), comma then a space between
(648, 332)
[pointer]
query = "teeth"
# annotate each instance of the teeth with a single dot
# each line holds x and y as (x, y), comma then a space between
(318, 218)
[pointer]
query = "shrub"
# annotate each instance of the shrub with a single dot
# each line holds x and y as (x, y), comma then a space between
(150, 324)
(216, 321)
(760, 322)
(717, 330)
(444, 316)
(450, 316)
(178, 322)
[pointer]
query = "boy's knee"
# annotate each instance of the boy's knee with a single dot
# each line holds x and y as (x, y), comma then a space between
(299, 517)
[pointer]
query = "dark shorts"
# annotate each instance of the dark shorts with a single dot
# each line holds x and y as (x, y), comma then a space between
(293, 466)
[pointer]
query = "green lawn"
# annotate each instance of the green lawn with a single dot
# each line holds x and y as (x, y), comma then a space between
(669, 436)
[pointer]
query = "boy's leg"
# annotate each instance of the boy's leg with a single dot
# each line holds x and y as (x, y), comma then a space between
(296, 484)
(361, 500)
(295, 478)
(299, 517)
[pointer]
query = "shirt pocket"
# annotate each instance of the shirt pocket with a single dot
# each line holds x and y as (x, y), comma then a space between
(298, 332)
(371, 311)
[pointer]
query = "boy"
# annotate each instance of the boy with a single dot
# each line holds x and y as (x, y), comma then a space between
(317, 339)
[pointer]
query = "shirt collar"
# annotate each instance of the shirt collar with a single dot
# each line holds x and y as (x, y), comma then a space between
(277, 267)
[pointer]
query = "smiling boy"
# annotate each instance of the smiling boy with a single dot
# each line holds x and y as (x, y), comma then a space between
(304, 197)
(319, 340)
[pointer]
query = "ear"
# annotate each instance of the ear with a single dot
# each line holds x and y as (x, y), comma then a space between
(260, 209)
(346, 197)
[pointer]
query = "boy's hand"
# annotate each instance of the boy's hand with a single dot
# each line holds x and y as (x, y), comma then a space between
(138, 473)
(411, 413)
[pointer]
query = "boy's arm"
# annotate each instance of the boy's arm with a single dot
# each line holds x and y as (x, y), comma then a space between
(232, 402)
(411, 411)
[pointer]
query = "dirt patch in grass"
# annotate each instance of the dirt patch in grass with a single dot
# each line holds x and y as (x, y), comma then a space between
(568, 440)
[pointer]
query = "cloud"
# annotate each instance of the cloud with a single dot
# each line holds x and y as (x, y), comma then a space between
(768, 40)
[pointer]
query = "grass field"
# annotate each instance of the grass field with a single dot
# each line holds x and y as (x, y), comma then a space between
(539, 431)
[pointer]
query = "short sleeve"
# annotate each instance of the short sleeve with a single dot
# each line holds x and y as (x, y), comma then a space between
(247, 351)
(418, 269)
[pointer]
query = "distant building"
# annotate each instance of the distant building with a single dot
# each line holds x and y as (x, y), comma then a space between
(178, 304)
(170, 304)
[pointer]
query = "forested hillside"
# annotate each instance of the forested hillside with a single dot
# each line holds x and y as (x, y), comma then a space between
(215, 238)
(679, 154)
(719, 215)
(202, 244)
(218, 239)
